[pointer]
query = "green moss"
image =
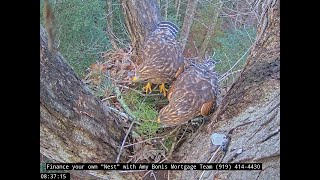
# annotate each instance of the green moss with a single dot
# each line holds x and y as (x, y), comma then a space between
(143, 108)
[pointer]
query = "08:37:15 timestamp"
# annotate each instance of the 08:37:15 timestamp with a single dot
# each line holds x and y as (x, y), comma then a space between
(64, 176)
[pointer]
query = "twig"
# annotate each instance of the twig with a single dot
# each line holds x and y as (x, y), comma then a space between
(154, 176)
(178, 8)
(123, 114)
(174, 130)
(172, 146)
(195, 46)
(104, 99)
(225, 76)
(175, 141)
(237, 61)
(152, 170)
(143, 141)
(183, 134)
(132, 171)
(210, 160)
(124, 140)
(252, 9)
(229, 66)
(123, 104)
(164, 146)
(250, 38)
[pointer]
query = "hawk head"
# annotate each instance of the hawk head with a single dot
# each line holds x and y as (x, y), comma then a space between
(166, 28)
(161, 55)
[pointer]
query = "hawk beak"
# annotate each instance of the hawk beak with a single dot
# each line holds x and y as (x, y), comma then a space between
(135, 79)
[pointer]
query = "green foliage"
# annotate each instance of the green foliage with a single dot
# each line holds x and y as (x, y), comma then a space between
(172, 12)
(119, 27)
(80, 30)
(231, 46)
(146, 111)
(148, 129)
(104, 89)
(81, 35)
(168, 142)
(143, 108)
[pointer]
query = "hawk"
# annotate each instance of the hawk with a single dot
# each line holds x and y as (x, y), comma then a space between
(192, 94)
(162, 57)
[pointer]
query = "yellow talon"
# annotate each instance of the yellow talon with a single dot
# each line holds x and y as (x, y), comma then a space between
(147, 87)
(158, 120)
(163, 89)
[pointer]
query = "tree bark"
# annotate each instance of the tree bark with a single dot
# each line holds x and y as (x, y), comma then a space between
(188, 19)
(249, 114)
(74, 125)
(141, 18)
(210, 31)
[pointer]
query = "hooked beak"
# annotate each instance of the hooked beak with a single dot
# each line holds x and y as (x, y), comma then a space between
(158, 120)
(134, 79)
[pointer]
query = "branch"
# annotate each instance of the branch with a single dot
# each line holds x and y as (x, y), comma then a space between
(210, 31)
(226, 73)
(166, 9)
(123, 104)
(178, 9)
(188, 19)
(110, 33)
(124, 140)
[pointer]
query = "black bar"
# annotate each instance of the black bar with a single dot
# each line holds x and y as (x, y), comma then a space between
(60, 176)
(153, 166)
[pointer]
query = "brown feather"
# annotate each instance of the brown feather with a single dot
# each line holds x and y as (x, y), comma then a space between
(207, 108)
(162, 59)
(193, 93)
(180, 70)
(170, 92)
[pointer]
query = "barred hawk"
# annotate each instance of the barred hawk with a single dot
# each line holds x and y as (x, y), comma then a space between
(193, 93)
(162, 57)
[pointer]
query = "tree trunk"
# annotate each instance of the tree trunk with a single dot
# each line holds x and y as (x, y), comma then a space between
(74, 125)
(141, 18)
(249, 114)
(188, 19)
(210, 31)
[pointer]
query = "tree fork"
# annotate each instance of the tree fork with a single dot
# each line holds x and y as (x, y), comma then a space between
(75, 127)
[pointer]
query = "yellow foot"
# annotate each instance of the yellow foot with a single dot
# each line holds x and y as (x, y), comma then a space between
(147, 87)
(163, 89)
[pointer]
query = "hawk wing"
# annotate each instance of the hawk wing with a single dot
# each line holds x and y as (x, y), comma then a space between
(161, 55)
(193, 93)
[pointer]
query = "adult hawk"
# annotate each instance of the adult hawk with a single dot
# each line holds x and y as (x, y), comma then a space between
(193, 93)
(162, 57)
